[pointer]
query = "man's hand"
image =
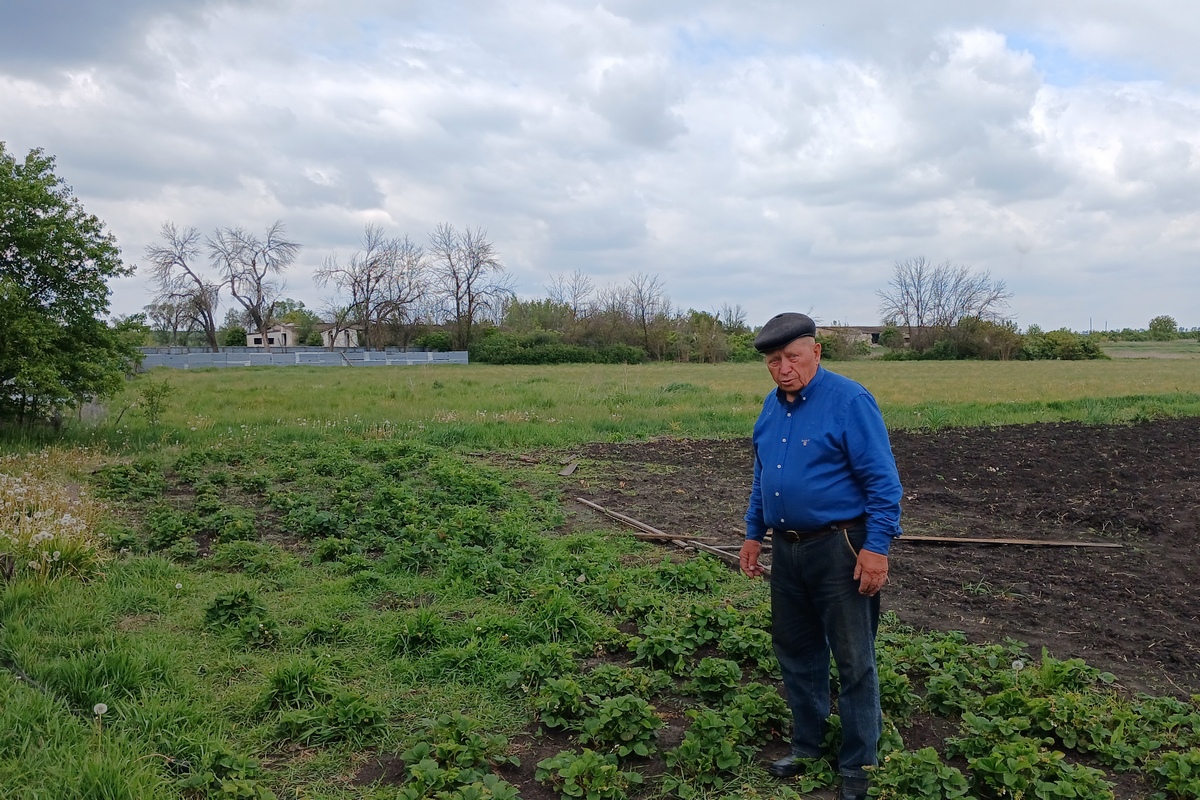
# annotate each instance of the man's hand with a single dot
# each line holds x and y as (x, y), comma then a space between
(870, 571)
(748, 558)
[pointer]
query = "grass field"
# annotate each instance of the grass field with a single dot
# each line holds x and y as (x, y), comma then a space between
(302, 571)
(521, 407)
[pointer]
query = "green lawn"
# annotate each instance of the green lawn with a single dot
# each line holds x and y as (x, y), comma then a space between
(300, 571)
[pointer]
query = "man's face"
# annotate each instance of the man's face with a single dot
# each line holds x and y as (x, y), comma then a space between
(794, 365)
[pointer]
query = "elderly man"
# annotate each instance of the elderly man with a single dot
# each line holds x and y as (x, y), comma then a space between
(825, 482)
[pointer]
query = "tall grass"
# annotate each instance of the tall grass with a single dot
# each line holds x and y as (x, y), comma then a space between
(499, 407)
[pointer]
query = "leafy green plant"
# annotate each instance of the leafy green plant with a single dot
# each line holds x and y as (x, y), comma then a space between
(456, 740)
(765, 711)
(223, 775)
(1022, 769)
(233, 524)
(626, 725)
(253, 558)
(713, 746)
(896, 696)
(750, 645)
(1177, 774)
(165, 527)
(610, 680)
(295, 684)
(417, 632)
(137, 481)
(661, 647)
(588, 775)
(714, 679)
(561, 703)
(980, 735)
(310, 522)
(700, 574)
(542, 663)
(703, 622)
(346, 717)
(230, 608)
(903, 775)
(259, 631)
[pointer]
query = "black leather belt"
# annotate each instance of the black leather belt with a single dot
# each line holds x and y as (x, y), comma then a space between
(817, 533)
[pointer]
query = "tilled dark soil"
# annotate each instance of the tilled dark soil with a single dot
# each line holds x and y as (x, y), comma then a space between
(1131, 610)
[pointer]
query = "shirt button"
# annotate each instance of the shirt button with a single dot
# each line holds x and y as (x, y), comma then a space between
(777, 494)
(789, 413)
(779, 466)
(783, 520)
(785, 440)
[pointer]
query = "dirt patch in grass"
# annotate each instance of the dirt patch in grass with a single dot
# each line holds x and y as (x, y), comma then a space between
(1131, 611)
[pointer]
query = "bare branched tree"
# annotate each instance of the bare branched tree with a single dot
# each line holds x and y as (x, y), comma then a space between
(247, 264)
(573, 291)
(406, 280)
(648, 303)
(732, 318)
(181, 281)
(470, 278)
(341, 321)
(364, 278)
(922, 296)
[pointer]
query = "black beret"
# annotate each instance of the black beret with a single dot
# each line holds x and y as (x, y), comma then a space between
(783, 328)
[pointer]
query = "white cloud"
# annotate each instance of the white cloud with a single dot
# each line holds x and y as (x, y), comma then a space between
(764, 153)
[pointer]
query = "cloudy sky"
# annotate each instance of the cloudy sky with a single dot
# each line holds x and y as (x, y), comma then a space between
(777, 155)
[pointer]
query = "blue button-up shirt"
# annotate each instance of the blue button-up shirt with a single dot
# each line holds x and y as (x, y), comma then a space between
(823, 458)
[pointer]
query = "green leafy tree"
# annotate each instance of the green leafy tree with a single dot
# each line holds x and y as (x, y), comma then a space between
(306, 321)
(234, 336)
(55, 263)
(1163, 328)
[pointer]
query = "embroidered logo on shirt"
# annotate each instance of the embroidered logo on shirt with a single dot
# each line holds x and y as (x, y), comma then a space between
(804, 442)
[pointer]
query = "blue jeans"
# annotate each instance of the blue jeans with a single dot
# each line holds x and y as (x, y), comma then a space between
(816, 610)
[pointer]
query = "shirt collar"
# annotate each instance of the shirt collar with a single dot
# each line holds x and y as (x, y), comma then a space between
(812, 385)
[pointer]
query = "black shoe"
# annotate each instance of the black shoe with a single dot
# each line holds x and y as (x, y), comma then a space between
(854, 788)
(786, 767)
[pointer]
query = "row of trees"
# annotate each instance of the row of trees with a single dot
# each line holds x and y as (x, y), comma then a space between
(243, 263)
(390, 289)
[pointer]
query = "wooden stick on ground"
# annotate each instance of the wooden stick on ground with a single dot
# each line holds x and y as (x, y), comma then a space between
(650, 532)
(976, 540)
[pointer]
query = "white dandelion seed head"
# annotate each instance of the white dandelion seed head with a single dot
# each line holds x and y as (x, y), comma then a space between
(99, 709)
(1018, 665)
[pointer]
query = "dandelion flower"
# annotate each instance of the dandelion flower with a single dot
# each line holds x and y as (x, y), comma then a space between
(99, 709)
(179, 586)
(1018, 665)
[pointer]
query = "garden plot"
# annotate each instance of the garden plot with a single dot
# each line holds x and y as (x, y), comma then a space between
(1131, 611)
